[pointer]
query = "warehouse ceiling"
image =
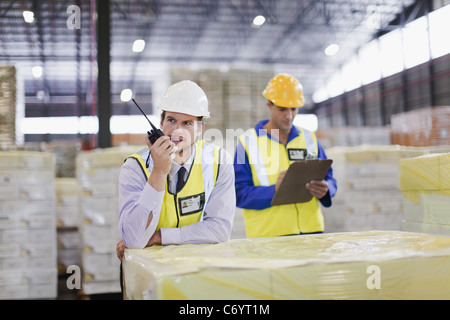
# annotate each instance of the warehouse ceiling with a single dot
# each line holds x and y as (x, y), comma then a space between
(182, 33)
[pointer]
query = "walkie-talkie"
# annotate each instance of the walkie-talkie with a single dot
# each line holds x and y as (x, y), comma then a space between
(154, 134)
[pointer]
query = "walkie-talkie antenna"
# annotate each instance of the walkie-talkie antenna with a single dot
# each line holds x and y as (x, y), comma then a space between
(154, 128)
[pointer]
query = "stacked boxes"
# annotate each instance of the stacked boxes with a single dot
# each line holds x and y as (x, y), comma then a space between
(425, 183)
(368, 194)
(208, 80)
(7, 106)
(261, 111)
(422, 127)
(98, 174)
(68, 219)
(27, 225)
(65, 154)
(240, 95)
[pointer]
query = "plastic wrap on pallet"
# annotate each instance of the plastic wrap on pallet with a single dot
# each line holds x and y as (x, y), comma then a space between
(68, 214)
(356, 265)
(368, 194)
(425, 183)
(11, 107)
(28, 268)
(97, 174)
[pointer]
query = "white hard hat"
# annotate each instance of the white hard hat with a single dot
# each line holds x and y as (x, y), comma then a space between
(185, 97)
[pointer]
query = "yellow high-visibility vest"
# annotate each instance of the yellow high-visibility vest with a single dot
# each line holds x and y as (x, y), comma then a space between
(267, 159)
(188, 205)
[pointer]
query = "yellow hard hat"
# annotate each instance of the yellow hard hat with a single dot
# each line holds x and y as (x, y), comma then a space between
(285, 91)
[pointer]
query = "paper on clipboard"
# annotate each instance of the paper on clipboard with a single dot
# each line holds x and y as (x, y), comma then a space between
(293, 187)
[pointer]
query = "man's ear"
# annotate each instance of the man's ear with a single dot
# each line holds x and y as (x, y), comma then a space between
(201, 127)
(163, 114)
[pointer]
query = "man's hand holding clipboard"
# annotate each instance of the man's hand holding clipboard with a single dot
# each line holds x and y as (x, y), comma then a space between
(292, 186)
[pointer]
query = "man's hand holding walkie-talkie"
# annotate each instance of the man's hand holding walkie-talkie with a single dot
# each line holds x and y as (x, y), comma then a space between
(162, 152)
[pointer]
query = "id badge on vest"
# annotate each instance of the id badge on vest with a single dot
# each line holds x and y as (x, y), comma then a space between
(297, 154)
(191, 204)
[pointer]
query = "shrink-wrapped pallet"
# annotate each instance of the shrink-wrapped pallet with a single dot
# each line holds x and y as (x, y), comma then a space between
(425, 183)
(65, 154)
(67, 202)
(11, 107)
(28, 267)
(368, 195)
(358, 265)
(68, 215)
(98, 175)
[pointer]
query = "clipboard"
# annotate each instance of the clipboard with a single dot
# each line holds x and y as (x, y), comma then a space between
(293, 187)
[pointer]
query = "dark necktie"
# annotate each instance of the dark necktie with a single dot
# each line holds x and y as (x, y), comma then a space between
(180, 182)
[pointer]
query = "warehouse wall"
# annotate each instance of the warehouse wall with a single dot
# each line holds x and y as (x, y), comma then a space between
(372, 105)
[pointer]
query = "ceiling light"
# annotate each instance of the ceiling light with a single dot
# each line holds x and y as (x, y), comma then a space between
(40, 95)
(37, 71)
(259, 21)
(126, 95)
(138, 45)
(332, 49)
(28, 16)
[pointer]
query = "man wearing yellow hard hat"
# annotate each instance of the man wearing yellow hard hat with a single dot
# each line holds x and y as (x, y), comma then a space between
(262, 157)
(172, 191)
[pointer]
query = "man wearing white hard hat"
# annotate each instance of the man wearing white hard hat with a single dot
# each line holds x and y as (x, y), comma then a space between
(180, 189)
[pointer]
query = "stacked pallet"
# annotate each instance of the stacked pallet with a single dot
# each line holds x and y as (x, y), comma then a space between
(346, 266)
(211, 81)
(425, 183)
(422, 127)
(180, 74)
(65, 152)
(240, 96)
(260, 80)
(97, 175)
(7, 106)
(27, 225)
(369, 196)
(68, 219)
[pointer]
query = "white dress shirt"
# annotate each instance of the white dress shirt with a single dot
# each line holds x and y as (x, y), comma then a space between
(137, 198)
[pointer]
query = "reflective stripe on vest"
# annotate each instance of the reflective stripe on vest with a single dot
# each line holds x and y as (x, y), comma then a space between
(255, 156)
(208, 172)
(310, 145)
(256, 159)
